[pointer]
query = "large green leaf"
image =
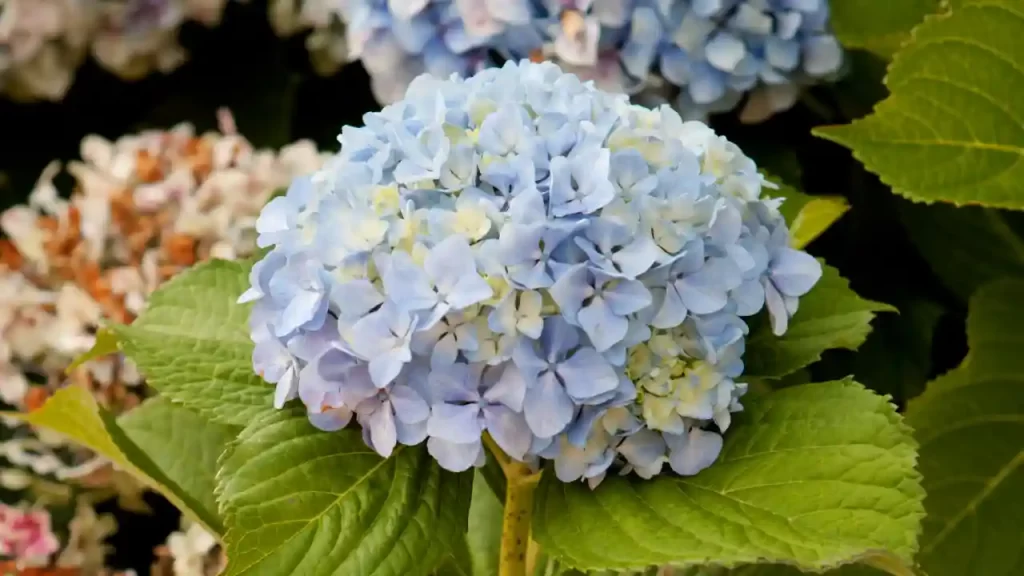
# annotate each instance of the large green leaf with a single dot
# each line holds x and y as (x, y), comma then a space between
(970, 424)
(192, 344)
(967, 247)
(168, 468)
(952, 128)
(813, 476)
(831, 315)
(183, 444)
(880, 26)
(297, 500)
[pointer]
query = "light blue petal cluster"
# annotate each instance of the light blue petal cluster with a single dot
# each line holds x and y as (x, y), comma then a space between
(713, 52)
(522, 255)
(716, 51)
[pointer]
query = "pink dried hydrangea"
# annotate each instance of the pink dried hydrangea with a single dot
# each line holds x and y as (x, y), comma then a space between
(25, 535)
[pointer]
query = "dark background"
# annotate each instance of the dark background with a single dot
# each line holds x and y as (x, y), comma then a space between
(276, 99)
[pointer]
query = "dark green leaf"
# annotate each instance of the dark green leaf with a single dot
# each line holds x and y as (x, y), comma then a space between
(970, 424)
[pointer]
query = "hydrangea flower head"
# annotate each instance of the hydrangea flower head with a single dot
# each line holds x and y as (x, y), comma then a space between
(717, 51)
(707, 54)
(524, 256)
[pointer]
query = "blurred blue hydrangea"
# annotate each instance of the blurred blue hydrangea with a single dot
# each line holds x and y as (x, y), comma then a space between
(522, 255)
(706, 54)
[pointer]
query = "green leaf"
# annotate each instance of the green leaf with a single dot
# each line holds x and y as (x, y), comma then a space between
(970, 423)
(477, 553)
(814, 476)
(73, 413)
(183, 444)
(879, 26)
(484, 534)
(808, 216)
(105, 344)
(297, 500)
(192, 344)
(830, 316)
(780, 570)
(896, 359)
(952, 129)
(861, 87)
(967, 247)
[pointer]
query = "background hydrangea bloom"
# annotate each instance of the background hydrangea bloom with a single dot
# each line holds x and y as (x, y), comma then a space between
(323, 18)
(43, 42)
(713, 52)
(523, 255)
(145, 207)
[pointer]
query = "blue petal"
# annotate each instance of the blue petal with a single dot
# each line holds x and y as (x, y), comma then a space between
(509, 430)
(408, 285)
(547, 408)
(645, 452)
(793, 272)
(331, 420)
(355, 298)
(558, 338)
(454, 456)
(602, 325)
(587, 375)
(509, 389)
(385, 367)
(627, 297)
(380, 425)
(822, 55)
(570, 290)
(693, 451)
(455, 423)
(410, 434)
(705, 291)
(408, 404)
(749, 298)
(445, 352)
(287, 388)
(502, 132)
(777, 313)
(671, 311)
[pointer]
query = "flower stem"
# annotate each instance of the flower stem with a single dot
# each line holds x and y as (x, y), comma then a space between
(515, 527)
(521, 482)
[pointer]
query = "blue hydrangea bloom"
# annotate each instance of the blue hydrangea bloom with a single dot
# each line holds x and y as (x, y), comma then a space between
(522, 255)
(707, 55)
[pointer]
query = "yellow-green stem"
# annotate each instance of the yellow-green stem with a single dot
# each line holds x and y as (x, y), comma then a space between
(515, 527)
(520, 484)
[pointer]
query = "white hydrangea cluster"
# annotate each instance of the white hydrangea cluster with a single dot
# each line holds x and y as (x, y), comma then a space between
(145, 207)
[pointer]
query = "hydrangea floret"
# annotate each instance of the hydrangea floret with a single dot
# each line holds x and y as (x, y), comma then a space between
(705, 54)
(524, 256)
